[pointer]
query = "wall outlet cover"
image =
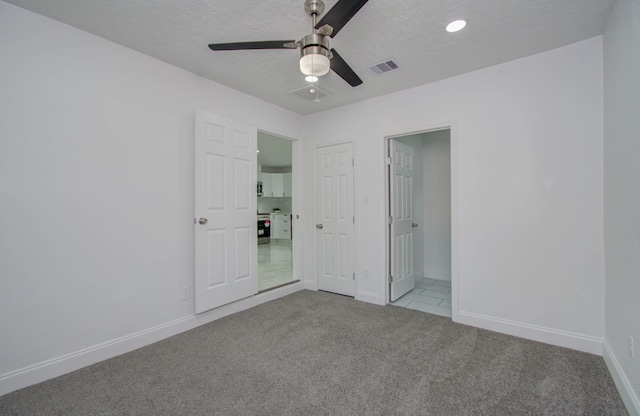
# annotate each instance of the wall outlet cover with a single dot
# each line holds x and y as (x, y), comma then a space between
(186, 292)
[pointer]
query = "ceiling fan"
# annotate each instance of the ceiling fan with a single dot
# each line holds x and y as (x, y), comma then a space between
(316, 57)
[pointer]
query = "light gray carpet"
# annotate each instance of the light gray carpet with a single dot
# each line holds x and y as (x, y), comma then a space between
(314, 353)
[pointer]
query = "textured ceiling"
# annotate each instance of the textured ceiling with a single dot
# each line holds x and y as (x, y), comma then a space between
(410, 31)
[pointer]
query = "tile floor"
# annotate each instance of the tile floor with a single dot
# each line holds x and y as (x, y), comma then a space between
(430, 295)
(275, 265)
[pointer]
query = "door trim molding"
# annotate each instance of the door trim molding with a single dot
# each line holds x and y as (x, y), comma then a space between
(450, 125)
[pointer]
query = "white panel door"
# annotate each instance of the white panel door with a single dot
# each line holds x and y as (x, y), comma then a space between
(402, 223)
(335, 220)
(225, 211)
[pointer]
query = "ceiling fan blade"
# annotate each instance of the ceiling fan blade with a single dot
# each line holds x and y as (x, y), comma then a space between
(265, 44)
(340, 14)
(340, 67)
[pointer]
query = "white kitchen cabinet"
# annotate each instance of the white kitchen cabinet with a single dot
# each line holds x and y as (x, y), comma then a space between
(287, 183)
(274, 226)
(285, 232)
(277, 185)
(281, 226)
(265, 178)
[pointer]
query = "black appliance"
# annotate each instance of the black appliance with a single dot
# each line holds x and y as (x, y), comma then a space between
(264, 228)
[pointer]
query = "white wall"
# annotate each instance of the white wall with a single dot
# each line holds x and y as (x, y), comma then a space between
(622, 196)
(96, 188)
(437, 205)
(268, 204)
(528, 139)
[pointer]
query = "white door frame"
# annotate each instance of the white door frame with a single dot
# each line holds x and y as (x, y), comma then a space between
(443, 125)
(297, 243)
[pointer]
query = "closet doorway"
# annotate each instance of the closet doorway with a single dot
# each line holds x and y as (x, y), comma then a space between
(276, 203)
(420, 221)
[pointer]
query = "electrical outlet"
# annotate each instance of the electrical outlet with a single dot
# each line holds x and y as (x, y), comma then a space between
(186, 292)
(366, 273)
(632, 350)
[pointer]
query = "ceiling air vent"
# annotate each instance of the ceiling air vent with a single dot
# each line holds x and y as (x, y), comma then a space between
(310, 92)
(383, 67)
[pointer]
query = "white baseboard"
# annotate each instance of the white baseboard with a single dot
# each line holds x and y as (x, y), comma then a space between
(370, 297)
(442, 279)
(629, 397)
(310, 285)
(58, 366)
(551, 336)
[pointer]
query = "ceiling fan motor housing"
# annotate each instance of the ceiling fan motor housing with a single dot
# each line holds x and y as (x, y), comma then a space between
(314, 43)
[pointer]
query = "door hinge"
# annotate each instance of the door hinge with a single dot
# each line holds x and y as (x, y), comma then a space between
(389, 161)
(354, 276)
(390, 220)
(390, 279)
(354, 219)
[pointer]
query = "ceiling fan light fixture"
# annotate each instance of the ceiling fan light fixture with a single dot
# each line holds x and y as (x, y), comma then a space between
(315, 64)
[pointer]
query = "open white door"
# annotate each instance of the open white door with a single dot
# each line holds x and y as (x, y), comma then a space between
(401, 230)
(225, 211)
(335, 218)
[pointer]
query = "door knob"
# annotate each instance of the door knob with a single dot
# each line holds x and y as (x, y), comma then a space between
(414, 225)
(319, 226)
(203, 220)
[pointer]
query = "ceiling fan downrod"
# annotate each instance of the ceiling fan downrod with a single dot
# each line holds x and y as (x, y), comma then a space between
(313, 9)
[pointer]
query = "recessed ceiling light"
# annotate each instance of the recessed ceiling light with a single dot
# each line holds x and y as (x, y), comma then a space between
(311, 78)
(456, 25)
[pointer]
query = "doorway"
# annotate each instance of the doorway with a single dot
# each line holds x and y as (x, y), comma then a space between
(420, 221)
(275, 207)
